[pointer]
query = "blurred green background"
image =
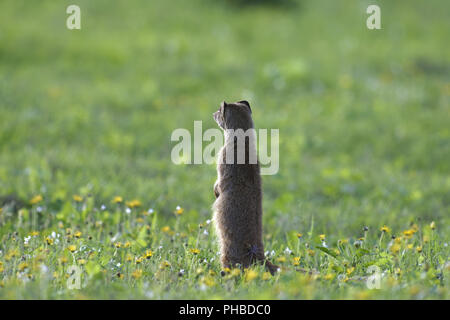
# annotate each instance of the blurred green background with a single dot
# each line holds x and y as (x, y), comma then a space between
(363, 114)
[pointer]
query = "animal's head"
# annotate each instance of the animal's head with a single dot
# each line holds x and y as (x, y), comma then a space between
(236, 115)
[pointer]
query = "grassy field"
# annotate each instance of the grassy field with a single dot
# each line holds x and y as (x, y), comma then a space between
(86, 177)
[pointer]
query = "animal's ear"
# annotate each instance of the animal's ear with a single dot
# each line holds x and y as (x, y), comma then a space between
(247, 104)
(223, 106)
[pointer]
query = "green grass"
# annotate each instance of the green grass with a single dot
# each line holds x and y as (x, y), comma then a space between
(364, 141)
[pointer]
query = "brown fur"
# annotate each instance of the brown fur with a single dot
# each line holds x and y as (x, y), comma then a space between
(238, 191)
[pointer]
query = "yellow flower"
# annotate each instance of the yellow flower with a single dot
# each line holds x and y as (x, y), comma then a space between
(199, 270)
(296, 261)
(77, 234)
(133, 204)
(195, 251)
(226, 270)
(208, 281)
(328, 276)
(140, 220)
(165, 229)
(119, 275)
(385, 228)
(419, 249)
(22, 266)
(266, 276)
(34, 233)
(117, 199)
(432, 225)
(129, 258)
(250, 275)
(137, 274)
(36, 199)
(235, 272)
(410, 246)
(127, 244)
(212, 273)
(310, 252)
(395, 248)
(72, 248)
(281, 259)
(148, 254)
(164, 264)
(138, 260)
(77, 198)
(49, 241)
(342, 241)
(63, 260)
(322, 237)
(81, 261)
(1, 267)
(350, 270)
(299, 235)
(408, 233)
(117, 244)
(179, 210)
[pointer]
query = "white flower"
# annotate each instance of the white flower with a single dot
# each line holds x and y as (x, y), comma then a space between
(287, 250)
(103, 207)
(43, 268)
(39, 209)
(128, 210)
(21, 276)
(205, 232)
(150, 211)
(208, 221)
(26, 239)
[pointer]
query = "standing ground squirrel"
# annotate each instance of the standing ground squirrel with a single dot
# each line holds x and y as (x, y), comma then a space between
(238, 191)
